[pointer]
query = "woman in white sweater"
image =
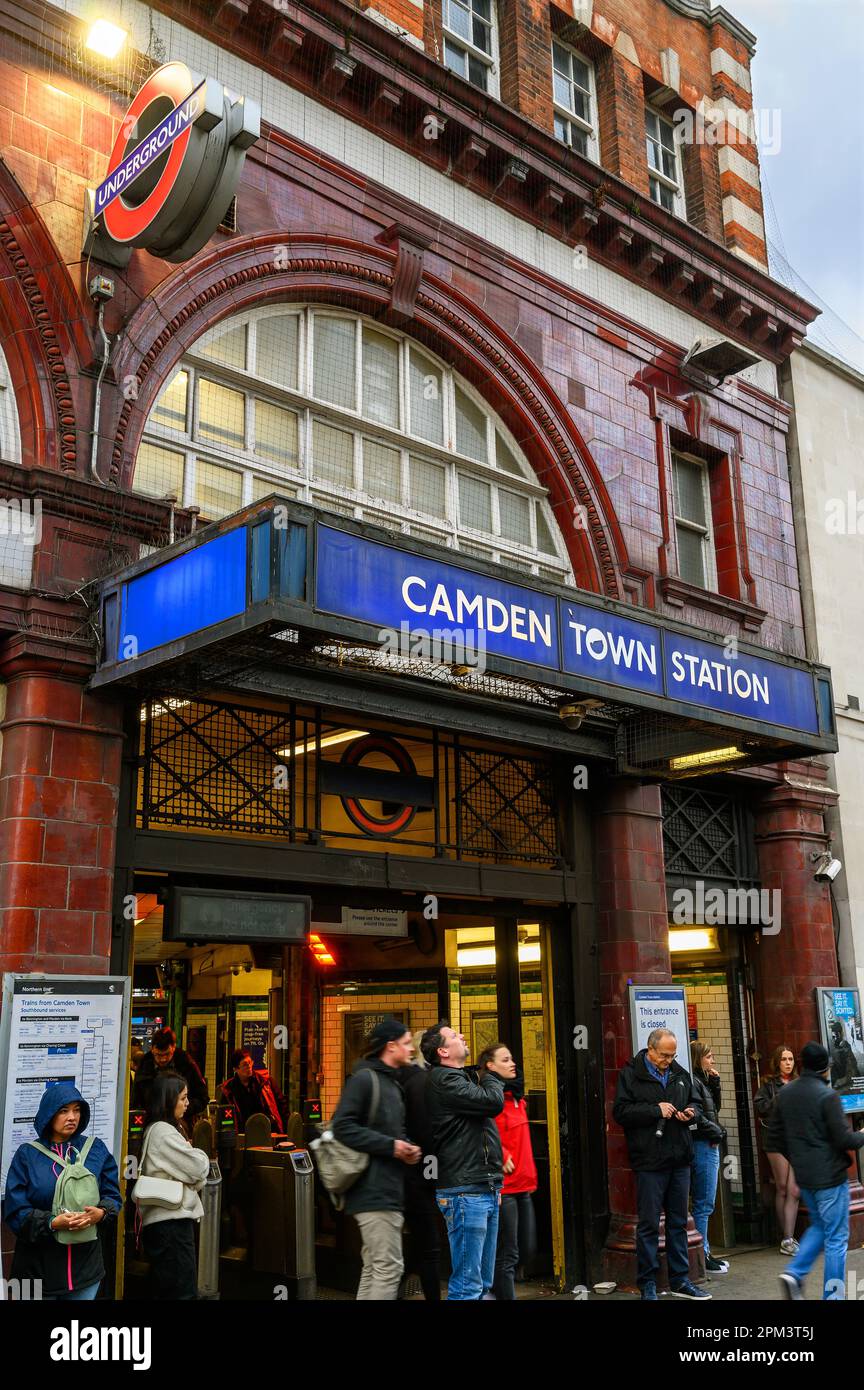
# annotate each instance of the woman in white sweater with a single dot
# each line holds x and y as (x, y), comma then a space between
(168, 1234)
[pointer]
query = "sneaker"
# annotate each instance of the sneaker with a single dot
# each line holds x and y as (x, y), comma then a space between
(716, 1266)
(688, 1290)
(791, 1287)
(649, 1292)
(789, 1247)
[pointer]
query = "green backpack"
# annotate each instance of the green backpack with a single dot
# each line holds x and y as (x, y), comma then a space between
(76, 1188)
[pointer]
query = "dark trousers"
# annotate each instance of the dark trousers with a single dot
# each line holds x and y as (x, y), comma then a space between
(666, 1191)
(170, 1248)
(517, 1241)
(424, 1226)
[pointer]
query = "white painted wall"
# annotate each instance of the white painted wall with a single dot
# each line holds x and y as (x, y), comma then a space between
(827, 461)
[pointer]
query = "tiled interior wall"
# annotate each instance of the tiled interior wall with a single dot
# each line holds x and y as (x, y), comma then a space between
(710, 997)
(418, 999)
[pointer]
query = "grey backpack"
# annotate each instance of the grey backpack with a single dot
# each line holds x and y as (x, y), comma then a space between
(338, 1166)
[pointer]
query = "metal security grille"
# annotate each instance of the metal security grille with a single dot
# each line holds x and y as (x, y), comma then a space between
(215, 766)
(506, 807)
(699, 833)
(238, 770)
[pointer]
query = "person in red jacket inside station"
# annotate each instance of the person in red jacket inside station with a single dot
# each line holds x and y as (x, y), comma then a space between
(517, 1228)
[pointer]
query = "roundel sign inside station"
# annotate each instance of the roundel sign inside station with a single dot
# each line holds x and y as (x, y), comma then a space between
(376, 746)
(174, 167)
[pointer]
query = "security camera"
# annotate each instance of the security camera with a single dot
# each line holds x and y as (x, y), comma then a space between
(827, 867)
(571, 716)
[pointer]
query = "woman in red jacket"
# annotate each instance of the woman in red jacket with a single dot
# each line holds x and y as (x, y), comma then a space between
(517, 1230)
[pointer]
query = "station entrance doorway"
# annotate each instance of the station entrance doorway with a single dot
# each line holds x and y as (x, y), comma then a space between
(304, 1012)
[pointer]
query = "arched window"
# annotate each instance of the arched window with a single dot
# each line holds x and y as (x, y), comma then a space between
(10, 437)
(335, 410)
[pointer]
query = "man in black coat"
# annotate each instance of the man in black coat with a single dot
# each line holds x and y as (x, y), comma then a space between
(165, 1056)
(370, 1118)
(808, 1126)
(470, 1166)
(655, 1107)
(421, 1208)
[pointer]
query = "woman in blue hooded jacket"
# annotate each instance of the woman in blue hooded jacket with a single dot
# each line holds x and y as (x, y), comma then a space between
(66, 1271)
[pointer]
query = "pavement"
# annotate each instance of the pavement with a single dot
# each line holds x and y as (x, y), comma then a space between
(752, 1277)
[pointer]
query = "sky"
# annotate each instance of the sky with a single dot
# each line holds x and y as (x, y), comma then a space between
(809, 68)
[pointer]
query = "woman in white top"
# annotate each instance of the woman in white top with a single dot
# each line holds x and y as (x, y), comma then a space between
(168, 1234)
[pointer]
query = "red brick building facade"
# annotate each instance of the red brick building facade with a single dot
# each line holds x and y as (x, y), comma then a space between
(558, 286)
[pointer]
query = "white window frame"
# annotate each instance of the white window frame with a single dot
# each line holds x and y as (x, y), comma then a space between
(588, 128)
(303, 483)
(709, 549)
(489, 60)
(679, 203)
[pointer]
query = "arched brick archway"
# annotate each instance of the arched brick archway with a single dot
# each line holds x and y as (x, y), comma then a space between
(257, 270)
(44, 331)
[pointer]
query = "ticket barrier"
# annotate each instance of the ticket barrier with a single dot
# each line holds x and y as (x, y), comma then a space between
(209, 1228)
(283, 1217)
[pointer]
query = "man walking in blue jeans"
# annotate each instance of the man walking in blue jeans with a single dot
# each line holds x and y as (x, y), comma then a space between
(470, 1168)
(808, 1127)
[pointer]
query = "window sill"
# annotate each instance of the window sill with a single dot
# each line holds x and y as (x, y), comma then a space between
(678, 593)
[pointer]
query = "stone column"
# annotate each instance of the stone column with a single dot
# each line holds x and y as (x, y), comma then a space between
(59, 780)
(802, 956)
(632, 930)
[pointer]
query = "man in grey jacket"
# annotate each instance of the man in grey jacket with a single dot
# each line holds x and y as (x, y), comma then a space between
(808, 1126)
(468, 1153)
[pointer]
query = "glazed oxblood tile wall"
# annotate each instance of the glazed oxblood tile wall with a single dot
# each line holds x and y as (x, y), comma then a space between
(553, 284)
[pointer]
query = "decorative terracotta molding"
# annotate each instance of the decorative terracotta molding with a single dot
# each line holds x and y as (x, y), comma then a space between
(42, 320)
(410, 247)
(679, 594)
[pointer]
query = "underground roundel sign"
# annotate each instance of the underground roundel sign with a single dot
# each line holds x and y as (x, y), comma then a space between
(174, 168)
(395, 819)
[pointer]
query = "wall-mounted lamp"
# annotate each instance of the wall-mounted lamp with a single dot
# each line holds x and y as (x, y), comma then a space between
(105, 38)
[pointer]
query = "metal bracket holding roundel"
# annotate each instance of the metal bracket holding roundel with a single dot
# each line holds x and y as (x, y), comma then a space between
(173, 170)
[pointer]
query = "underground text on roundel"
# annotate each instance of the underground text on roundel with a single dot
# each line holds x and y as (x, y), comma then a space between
(77, 1343)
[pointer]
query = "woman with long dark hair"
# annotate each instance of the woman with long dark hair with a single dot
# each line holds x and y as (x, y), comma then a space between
(517, 1227)
(168, 1232)
(705, 1164)
(781, 1070)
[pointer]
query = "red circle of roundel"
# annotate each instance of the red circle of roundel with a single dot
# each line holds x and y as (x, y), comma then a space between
(353, 755)
(123, 222)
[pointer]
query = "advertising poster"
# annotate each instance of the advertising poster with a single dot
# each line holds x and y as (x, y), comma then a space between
(61, 1029)
(840, 1027)
(254, 1034)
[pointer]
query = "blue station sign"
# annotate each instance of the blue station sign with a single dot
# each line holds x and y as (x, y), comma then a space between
(376, 583)
(283, 563)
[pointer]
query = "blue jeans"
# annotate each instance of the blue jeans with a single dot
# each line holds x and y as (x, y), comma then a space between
(704, 1170)
(472, 1229)
(75, 1295)
(666, 1191)
(829, 1227)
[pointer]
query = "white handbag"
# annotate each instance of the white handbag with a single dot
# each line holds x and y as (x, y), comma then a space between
(156, 1192)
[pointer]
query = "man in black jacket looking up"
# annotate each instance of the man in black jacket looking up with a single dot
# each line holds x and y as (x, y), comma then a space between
(807, 1125)
(470, 1166)
(655, 1107)
(370, 1117)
